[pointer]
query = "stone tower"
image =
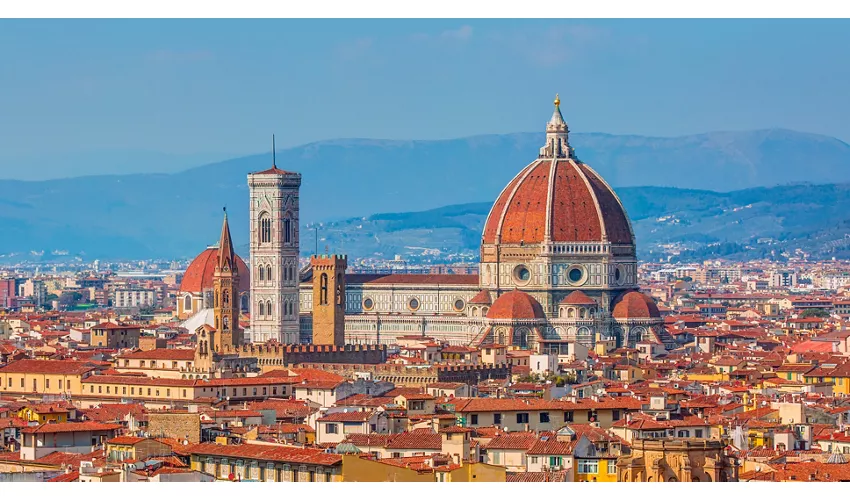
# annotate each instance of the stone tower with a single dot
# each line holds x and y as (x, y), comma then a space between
(274, 255)
(329, 299)
(205, 349)
(225, 290)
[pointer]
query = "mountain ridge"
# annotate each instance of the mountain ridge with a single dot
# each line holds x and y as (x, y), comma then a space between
(139, 215)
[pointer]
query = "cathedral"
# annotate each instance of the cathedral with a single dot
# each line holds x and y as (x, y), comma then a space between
(557, 267)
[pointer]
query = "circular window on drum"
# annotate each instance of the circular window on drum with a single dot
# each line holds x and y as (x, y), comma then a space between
(413, 304)
(522, 275)
(620, 274)
(459, 305)
(368, 304)
(576, 275)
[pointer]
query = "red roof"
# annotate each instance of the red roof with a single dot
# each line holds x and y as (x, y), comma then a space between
(162, 354)
(70, 427)
(273, 171)
(349, 416)
(516, 305)
(578, 298)
(266, 453)
(635, 305)
(199, 274)
(482, 297)
(583, 207)
(48, 366)
(126, 440)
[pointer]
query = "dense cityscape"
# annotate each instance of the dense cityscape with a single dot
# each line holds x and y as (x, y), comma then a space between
(557, 357)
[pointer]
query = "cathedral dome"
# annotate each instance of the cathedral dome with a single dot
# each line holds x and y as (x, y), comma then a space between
(557, 199)
(199, 275)
(635, 305)
(516, 305)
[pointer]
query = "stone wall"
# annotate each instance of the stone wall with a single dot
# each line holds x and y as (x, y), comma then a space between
(418, 376)
(273, 356)
(149, 343)
(177, 425)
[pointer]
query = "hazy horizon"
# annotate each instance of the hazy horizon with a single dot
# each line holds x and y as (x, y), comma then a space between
(190, 92)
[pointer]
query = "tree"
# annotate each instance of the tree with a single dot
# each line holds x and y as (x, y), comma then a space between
(814, 313)
(70, 299)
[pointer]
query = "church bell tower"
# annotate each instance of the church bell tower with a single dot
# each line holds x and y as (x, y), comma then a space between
(274, 254)
(226, 295)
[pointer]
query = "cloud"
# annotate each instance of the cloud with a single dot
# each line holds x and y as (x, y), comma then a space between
(461, 34)
(556, 45)
(457, 35)
(356, 49)
(179, 56)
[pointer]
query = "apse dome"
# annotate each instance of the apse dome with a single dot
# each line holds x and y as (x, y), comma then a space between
(199, 275)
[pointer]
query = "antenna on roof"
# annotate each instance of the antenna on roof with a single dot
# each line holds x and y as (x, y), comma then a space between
(274, 158)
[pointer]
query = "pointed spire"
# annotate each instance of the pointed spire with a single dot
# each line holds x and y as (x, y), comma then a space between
(225, 246)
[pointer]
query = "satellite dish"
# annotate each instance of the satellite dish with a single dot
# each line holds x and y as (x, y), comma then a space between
(505, 428)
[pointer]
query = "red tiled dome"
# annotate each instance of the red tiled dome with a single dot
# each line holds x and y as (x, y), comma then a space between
(483, 297)
(516, 305)
(199, 275)
(578, 298)
(581, 207)
(635, 305)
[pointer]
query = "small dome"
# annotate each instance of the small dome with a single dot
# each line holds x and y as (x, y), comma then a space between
(483, 297)
(199, 275)
(578, 298)
(635, 305)
(516, 305)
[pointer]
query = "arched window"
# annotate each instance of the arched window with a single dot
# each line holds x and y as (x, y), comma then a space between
(262, 273)
(262, 311)
(339, 290)
(269, 273)
(225, 298)
(225, 323)
(323, 289)
(187, 303)
(215, 303)
(269, 309)
(265, 228)
(287, 229)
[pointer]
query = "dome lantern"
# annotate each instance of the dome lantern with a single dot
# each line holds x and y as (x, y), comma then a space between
(557, 135)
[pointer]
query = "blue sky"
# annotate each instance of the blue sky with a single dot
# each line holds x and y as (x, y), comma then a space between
(197, 90)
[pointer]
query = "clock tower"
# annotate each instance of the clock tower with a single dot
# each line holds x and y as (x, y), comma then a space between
(274, 254)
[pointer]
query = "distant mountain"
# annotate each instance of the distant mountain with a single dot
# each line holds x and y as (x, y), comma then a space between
(176, 215)
(668, 222)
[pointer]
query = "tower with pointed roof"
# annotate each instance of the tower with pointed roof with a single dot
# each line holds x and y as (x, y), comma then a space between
(274, 265)
(225, 289)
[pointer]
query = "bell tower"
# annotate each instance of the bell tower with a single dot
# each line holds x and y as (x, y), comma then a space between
(329, 299)
(225, 295)
(274, 254)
